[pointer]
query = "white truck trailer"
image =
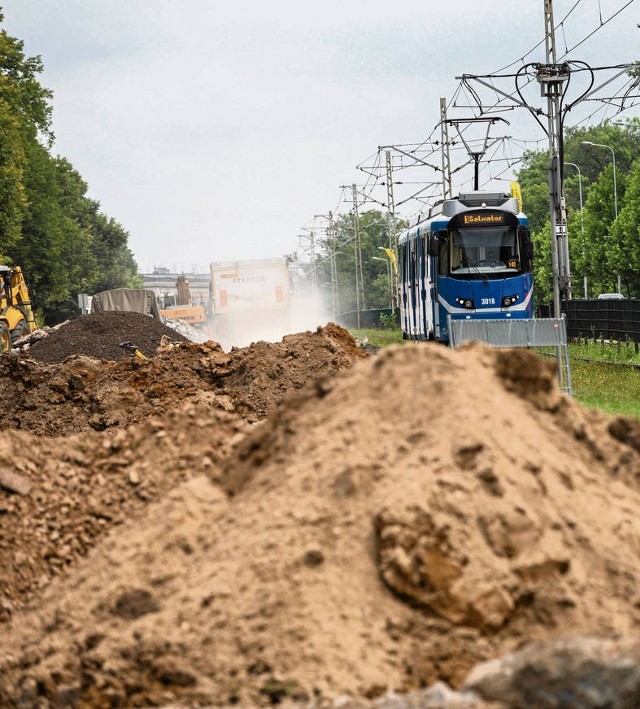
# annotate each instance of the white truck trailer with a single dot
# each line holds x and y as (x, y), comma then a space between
(250, 300)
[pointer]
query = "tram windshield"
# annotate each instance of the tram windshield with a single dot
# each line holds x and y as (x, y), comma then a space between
(485, 251)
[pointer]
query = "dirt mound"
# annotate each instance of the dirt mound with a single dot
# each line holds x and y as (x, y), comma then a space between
(99, 335)
(389, 527)
(81, 489)
(264, 373)
(83, 393)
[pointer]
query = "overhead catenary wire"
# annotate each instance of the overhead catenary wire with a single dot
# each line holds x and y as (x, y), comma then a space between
(560, 24)
(600, 26)
(500, 155)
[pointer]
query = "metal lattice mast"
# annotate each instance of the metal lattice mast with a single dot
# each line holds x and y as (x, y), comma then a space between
(335, 294)
(391, 226)
(357, 253)
(446, 160)
(552, 78)
(310, 236)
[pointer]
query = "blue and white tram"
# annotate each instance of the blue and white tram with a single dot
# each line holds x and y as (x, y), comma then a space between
(470, 258)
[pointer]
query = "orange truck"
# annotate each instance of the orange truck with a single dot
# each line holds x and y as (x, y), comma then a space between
(184, 309)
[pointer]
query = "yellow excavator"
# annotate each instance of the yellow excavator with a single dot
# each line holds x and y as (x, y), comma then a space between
(16, 314)
(184, 309)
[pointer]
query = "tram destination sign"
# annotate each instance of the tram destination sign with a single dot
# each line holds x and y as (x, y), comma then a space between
(483, 219)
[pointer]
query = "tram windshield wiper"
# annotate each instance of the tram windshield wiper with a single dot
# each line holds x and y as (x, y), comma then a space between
(473, 268)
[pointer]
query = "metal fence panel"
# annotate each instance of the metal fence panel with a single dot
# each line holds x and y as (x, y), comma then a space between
(538, 332)
(510, 333)
(607, 319)
(365, 318)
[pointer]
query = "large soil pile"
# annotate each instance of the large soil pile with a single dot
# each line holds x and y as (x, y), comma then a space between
(185, 390)
(390, 526)
(83, 393)
(100, 335)
(81, 488)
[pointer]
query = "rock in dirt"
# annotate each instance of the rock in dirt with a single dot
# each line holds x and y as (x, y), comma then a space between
(580, 672)
(14, 482)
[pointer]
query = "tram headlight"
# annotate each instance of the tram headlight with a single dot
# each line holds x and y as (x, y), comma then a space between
(510, 300)
(465, 303)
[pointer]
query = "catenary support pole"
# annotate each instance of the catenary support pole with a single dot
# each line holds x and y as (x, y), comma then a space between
(552, 78)
(444, 140)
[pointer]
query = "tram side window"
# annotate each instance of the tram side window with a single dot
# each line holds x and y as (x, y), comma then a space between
(403, 263)
(443, 258)
(421, 258)
(457, 259)
(412, 265)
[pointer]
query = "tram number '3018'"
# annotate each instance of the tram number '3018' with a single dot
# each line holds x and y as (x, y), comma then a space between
(488, 301)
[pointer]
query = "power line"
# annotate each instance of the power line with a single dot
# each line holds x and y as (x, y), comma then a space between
(560, 25)
(602, 24)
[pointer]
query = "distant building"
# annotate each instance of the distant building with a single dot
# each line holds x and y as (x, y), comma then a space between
(163, 283)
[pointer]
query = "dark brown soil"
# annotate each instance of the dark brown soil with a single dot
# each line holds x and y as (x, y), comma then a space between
(84, 393)
(99, 335)
(273, 525)
(167, 419)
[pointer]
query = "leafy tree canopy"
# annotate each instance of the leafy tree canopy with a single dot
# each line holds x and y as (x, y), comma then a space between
(359, 245)
(48, 224)
(599, 248)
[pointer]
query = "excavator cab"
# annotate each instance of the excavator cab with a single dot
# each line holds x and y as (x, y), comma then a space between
(16, 314)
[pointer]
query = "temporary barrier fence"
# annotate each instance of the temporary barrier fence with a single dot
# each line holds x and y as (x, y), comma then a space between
(603, 319)
(538, 332)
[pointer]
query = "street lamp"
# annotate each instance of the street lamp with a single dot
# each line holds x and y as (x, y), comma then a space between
(615, 189)
(581, 225)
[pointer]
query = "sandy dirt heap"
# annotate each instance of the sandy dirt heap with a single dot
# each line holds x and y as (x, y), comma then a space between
(82, 487)
(190, 392)
(389, 527)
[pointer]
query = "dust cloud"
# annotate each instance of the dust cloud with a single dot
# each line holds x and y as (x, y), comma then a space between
(244, 328)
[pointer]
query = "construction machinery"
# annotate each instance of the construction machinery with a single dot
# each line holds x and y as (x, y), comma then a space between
(182, 307)
(16, 314)
(133, 349)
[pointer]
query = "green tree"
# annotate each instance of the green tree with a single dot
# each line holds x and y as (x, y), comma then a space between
(13, 201)
(596, 255)
(111, 263)
(373, 227)
(68, 246)
(55, 251)
(48, 224)
(20, 89)
(116, 265)
(625, 235)
(534, 187)
(542, 271)
(599, 216)
(25, 114)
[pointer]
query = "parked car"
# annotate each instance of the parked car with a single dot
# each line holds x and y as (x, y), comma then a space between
(610, 296)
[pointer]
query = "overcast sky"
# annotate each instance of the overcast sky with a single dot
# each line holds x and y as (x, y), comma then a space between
(217, 130)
